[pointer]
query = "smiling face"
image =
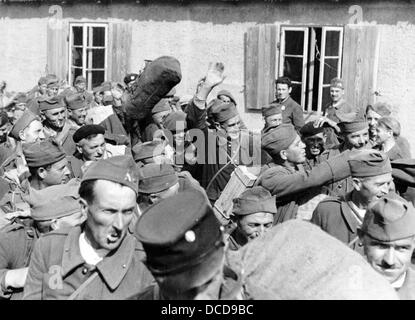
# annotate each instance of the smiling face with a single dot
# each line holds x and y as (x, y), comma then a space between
(232, 127)
(283, 91)
(390, 259)
(357, 140)
(336, 94)
(78, 115)
(372, 119)
(373, 188)
(255, 225)
(383, 134)
(109, 214)
(315, 144)
(295, 153)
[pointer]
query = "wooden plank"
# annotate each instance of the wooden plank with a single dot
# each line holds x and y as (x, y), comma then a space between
(121, 37)
(57, 50)
(261, 72)
(251, 50)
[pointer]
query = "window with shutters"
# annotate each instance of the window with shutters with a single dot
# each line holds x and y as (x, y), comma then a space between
(88, 52)
(311, 57)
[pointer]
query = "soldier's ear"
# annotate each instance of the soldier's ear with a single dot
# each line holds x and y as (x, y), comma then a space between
(79, 148)
(54, 225)
(84, 207)
(21, 135)
(283, 154)
(357, 184)
(42, 172)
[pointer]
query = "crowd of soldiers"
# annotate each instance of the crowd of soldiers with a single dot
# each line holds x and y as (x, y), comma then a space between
(96, 205)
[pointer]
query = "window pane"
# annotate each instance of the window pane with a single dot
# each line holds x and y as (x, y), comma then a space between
(98, 35)
(332, 43)
(77, 57)
(294, 42)
(296, 92)
(330, 70)
(74, 73)
(98, 58)
(77, 36)
(293, 68)
(98, 77)
(325, 97)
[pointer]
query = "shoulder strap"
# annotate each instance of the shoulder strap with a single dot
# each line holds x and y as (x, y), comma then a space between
(82, 287)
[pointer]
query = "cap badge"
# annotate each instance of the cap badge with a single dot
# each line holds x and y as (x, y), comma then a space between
(283, 108)
(190, 236)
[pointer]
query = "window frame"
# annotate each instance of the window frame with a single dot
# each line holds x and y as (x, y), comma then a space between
(86, 25)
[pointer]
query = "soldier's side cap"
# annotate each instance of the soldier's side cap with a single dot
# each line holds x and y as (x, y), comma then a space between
(223, 112)
(171, 93)
(369, 163)
(98, 89)
(50, 103)
(52, 82)
(147, 150)
(43, 153)
(350, 122)
(337, 83)
(22, 123)
(56, 208)
(380, 108)
(175, 121)
(80, 79)
(179, 233)
(253, 200)
(75, 101)
(279, 138)
(86, 131)
(309, 129)
(130, 77)
(403, 170)
(271, 109)
(154, 178)
(390, 218)
(162, 105)
(118, 169)
(226, 93)
(42, 80)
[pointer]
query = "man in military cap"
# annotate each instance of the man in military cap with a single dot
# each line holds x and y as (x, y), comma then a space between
(286, 178)
(53, 209)
(38, 90)
(354, 131)
(80, 88)
(388, 237)
(161, 181)
(188, 260)
(272, 115)
(16, 109)
(371, 173)
(55, 123)
(151, 152)
(52, 86)
(47, 164)
(159, 113)
(98, 260)
(338, 103)
(292, 112)
(129, 80)
(226, 97)
(90, 146)
(253, 213)
(227, 145)
(76, 105)
(388, 131)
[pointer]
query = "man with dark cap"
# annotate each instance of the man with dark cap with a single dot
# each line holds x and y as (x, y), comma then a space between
(253, 213)
(286, 178)
(159, 113)
(55, 124)
(292, 112)
(184, 245)
(226, 97)
(338, 104)
(90, 147)
(225, 147)
(47, 164)
(388, 237)
(371, 173)
(161, 181)
(98, 260)
(53, 209)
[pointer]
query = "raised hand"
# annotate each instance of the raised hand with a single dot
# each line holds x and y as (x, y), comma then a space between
(214, 75)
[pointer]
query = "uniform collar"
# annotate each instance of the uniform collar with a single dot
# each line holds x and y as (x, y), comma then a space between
(348, 214)
(112, 268)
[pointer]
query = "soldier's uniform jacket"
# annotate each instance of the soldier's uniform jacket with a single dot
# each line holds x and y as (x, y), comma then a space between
(335, 216)
(292, 113)
(331, 111)
(17, 241)
(407, 291)
(295, 186)
(57, 269)
(231, 288)
(218, 151)
(64, 137)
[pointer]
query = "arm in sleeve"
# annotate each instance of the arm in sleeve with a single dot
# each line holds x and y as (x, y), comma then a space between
(298, 117)
(6, 245)
(281, 184)
(34, 282)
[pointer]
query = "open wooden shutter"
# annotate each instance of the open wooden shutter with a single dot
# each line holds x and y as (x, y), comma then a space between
(120, 38)
(260, 64)
(57, 49)
(360, 64)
